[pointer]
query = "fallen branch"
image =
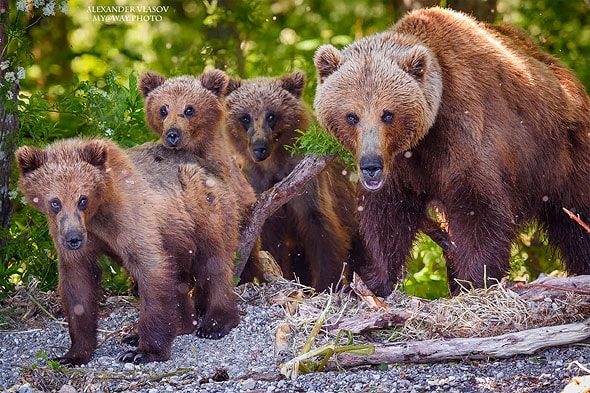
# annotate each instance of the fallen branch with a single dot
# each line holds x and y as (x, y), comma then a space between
(504, 346)
(553, 287)
(271, 200)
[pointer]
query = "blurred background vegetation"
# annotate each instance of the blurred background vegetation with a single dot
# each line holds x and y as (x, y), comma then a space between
(81, 68)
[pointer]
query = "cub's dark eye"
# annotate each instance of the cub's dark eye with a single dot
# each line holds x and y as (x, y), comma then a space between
(246, 120)
(387, 117)
(82, 203)
(163, 112)
(352, 119)
(189, 111)
(271, 119)
(55, 205)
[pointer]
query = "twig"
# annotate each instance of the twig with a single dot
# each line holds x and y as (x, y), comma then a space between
(577, 219)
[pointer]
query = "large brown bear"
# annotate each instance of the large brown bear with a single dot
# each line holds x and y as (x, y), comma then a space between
(173, 236)
(312, 234)
(471, 117)
(188, 114)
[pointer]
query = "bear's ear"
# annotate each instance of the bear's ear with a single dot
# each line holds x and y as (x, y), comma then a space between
(29, 159)
(94, 153)
(327, 59)
(294, 83)
(415, 64)
(148, 81)
(215, 81)
(233, 84)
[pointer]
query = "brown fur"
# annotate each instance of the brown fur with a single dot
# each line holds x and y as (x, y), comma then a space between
(311, 234)
(188, 114)
(474, 118)
(146, 211)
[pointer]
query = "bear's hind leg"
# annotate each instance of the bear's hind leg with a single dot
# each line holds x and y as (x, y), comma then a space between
(571, 238)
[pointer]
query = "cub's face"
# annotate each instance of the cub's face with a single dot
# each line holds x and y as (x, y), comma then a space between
(183, 110)
(263, 114)
(378, 97)
(64, 182)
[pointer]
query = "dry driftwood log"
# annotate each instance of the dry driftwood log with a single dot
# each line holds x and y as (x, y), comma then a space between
(554, 287)
(506, 345)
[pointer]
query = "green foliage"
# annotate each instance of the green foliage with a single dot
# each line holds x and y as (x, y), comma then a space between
(316, 141)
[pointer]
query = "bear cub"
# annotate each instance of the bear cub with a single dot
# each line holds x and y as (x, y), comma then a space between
(312, 234)
(175, 236)
(188, 114)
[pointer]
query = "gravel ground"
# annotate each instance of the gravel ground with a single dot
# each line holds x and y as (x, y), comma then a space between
(245, 361)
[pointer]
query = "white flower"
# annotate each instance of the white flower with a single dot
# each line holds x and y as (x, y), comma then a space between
(38, 3)
(12, 194)
(21, 5)
(9, 76)
(49, 8)
(64, 7)
(4, 65)
(108, 132)
(9, 95)
(20, 72)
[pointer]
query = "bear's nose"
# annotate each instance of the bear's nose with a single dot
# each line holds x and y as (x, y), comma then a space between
(260, 151)
(173, 136)
(73, 240)
(371, 167)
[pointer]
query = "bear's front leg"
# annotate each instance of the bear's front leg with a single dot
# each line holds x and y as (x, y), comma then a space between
(388, 227)
(482, 229)
(79, 289)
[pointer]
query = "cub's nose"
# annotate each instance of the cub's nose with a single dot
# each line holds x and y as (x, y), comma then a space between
(74, 240)
(173, 136)
(260, 151)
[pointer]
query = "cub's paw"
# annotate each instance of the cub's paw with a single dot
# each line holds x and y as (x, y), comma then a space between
(134, 357)
(67, 362)
(215, 328)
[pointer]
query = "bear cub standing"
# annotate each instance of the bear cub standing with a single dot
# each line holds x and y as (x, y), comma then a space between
(176, 238)
(189, 115)
(318, 224)
(441, 109)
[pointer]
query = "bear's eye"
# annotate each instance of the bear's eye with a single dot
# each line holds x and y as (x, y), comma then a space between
(163, 112)
(189, 111)
(55, 205)
(387, 117)
(82, 203)
(271, 119)
(352, 119)
(246, 120)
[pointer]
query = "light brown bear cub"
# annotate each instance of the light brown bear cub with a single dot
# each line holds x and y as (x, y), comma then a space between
(188, 114)
(474, 118)
(312, 234)
(174, 238)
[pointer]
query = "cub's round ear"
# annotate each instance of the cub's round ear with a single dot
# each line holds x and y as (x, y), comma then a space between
(148, 81)
(294, 83)
(29, 159)
(215, 81)
(94, 153)
(232, 85)
(327, 59)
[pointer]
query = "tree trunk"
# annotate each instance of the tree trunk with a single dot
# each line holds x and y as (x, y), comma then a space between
(8, 131)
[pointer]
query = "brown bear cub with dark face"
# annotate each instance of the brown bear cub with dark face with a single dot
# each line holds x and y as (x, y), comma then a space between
(189, 115)
(174, 236)
(320, 222)
(474, 118)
